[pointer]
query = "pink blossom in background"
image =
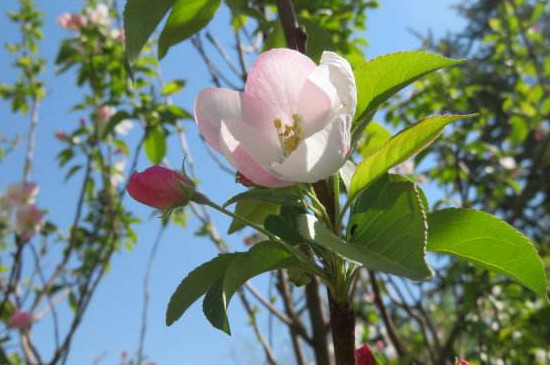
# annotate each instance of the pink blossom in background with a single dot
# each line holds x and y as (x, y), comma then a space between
(20, 320)
(61, 136)
(22, 193)
(28, 221)
(364, 356)
(71, 21)
(104, 113)
(254, 238)
(292, 122)
(160, 188)
(463, 362)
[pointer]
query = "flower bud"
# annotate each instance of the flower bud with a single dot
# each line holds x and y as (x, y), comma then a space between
(160, 188)
(364, 356)
(20, 320)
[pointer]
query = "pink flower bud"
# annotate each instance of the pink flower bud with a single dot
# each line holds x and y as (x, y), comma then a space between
(61, 136)
(28, 221)
(20, 320)
(463, 362)
(71, 21)
(160, 188)
(22, 193)
(364, 356)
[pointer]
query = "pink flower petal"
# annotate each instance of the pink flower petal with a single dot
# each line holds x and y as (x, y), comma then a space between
(211, 106)
(341, 76)
(318, 156)
(246, 164)
(315, 108)
(278, 76)
(251, 116)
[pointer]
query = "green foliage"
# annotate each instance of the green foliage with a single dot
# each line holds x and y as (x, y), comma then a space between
(375, 256)
(195, 285)
(399, 148)
(263, 257)
(185, 19)
(285, 196)
(380, 78)
(256, 211)
(141, 18)
(488, 242)
(155, 145)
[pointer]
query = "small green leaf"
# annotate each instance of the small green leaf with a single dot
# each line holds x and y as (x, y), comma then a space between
(185, 19)
(172, 87)
(380, 78)
(196, 284)
(253, 210)
(375, 259)
(488, 242)
(399, 148)
(155, 145)
(262, 257)
(285, 196)
(141, 17)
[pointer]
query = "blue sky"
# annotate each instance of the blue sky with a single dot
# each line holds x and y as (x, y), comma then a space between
(113, 320)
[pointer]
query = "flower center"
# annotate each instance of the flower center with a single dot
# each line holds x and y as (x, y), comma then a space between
(289, 135)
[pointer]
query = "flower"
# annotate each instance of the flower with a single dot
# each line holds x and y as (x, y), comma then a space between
(105, 112)
(99, 15)
(160, 188)
(364, 356)
(463, 362)
(124, 127)
(292, 122)
(509, 163)
(20, 319)
(71, 21)
(22, 193)
(28, 221)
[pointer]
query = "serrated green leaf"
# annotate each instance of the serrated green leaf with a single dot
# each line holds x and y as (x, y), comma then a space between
(399, 148)
(195, 285)
(262, 257)
(314, 231)
(380, 78)
(389, 218)
(185, 19)
(253, 210)
(488, 242)
(155, 145)
(141, 17)
(284, 196)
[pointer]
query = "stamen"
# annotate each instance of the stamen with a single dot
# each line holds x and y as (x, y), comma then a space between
(290, 136)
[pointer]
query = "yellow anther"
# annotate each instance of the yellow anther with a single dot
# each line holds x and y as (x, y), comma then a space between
(289, 135)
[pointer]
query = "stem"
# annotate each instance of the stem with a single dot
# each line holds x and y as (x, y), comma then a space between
(294, 35)
(318, 322)
(309, 265)
(342, 321)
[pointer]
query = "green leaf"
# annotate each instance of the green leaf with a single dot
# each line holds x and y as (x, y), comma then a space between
(155, 145)
(380, 78)
(253, 210)
(141, 17)
(375, 135)
(314, 231)
(284, 196)
(262, 257)
(487, 242)
(172, 87)
(318, 39)
(389, 218)
(185, 19)
(399, 148)
(284, 224)
(196, 284)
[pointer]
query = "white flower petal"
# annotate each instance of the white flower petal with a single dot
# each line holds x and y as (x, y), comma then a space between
(246, 164)
(318, 156)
